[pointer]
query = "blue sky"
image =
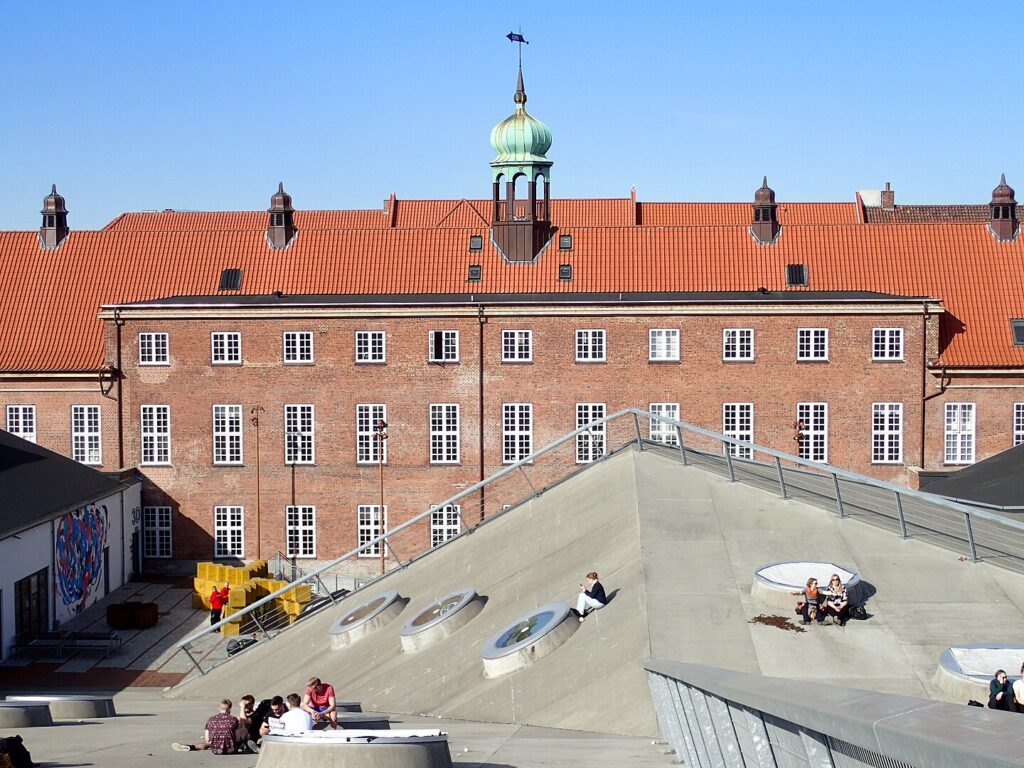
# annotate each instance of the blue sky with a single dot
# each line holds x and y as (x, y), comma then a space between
(139, 105)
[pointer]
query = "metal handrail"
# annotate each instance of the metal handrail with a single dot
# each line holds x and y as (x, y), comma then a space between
(802, 466)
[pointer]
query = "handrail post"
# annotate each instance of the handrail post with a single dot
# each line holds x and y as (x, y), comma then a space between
(728, 461)
(527, 478)
(682, 449)
(639, 439)
(323, 586)
(839, 498)
(903, 519)
(256, 621)
(193, 659)
(970, 538)
(782, 479)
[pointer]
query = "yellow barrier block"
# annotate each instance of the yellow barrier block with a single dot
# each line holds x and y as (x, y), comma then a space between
(239, 597)
(231, 629)
(260, 568)
(203, 570)
(302, 593)
(199, 602)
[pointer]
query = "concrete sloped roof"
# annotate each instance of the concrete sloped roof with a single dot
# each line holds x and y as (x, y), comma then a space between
(678, 546)
(37, 484)
(996, 480)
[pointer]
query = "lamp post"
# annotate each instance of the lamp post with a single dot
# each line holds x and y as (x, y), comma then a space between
(380, 432)
(254, 413)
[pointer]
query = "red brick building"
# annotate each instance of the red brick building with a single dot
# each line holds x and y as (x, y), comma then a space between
(482, 329)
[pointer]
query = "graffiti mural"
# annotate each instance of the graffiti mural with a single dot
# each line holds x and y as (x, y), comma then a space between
(79, 540)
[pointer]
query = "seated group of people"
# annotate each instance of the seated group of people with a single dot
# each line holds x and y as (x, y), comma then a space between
(819, 604)
(1002, 695)
(227, 734)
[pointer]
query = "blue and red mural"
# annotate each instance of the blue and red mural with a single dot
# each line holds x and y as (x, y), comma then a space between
(79, 540)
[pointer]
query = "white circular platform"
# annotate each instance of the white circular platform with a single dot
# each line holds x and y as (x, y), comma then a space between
(775, 582)
(964, 671)
(366, 618)
(527, 639)
(440, 619)
(70, 706)
(357, 749)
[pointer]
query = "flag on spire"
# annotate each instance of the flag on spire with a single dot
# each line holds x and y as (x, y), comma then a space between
(514, 37)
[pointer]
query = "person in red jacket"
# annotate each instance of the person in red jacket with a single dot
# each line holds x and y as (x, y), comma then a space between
(217, 601)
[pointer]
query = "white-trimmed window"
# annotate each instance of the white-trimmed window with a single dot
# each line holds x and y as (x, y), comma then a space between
(737, 343)
(813, 424)
(1018, 423)
(367, 417)
(959, 433)
(589, 444)
(298, 347)
(662, 344)
(298, 435)
(886, 433)
(156, 532)
(886, 343)
(229, 531)
(516, 431)
(155, 433)
(444, 433)
(369, 527)
(153, 349)
(445, 523)
(370, 347)
(86, 443)
(443, 346)
(227, 434)
(738, 423)
(662, 431)
(590, 345)
(21, 421)
(812, 344)
(517, 346)
(300, 530)
(226, 348)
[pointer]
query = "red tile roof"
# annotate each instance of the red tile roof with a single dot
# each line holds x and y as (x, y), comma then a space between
(51, 297)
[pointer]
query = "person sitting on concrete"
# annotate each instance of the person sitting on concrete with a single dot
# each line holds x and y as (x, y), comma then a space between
(591, 597)
(271, 723)
(837, 602)
(1018, 691)
(1000, 696)
(809, 607)
(319, 701)
(219, 734)
(246, 710)
(297, 719)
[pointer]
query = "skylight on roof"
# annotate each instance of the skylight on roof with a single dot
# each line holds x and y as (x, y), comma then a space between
(230, 280)
(1018, 332)
(796, 274)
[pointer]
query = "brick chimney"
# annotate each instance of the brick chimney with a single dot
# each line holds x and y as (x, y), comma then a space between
(888, 198)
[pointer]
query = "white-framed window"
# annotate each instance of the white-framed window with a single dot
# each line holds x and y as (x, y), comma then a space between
(444, 433)
(153, 349)
(959, 441)
(737, 343)
(1018, 423)
(517, 346)
(662, 344)
(369, 526)
(299, 425)
(443, 346)
(738, 423)
(813, 424)
(590, 345)
(367, 448)
(370, 347)
(886, 343)
(662, 431)
(86, 441)
(298, 347)
(445, 523)
(156, 532)
(516, 431)
(227, 434)
(300, 530)
(228, 531)
(21, 421)
(155, 433)
(226, 348)
(886, 433)
(589, 444)
(812, 344)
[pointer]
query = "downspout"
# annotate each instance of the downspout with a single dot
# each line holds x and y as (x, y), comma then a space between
(118, 322)
(481, 321)
(943, 383)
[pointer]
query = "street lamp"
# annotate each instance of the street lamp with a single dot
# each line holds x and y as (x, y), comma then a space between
(380, 432)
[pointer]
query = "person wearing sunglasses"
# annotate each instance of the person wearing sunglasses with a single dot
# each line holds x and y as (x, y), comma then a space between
(837, 602)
